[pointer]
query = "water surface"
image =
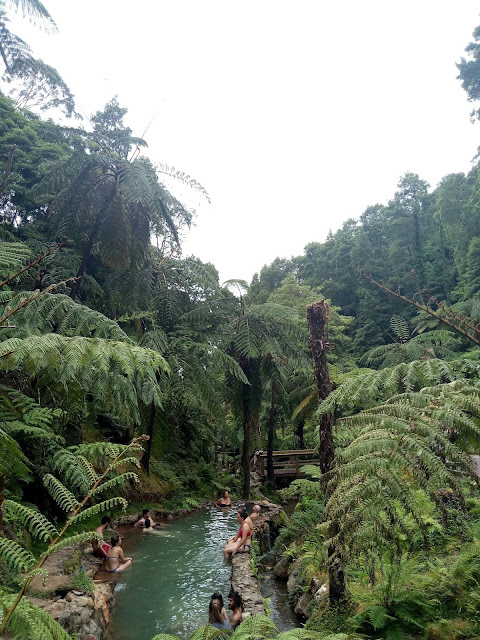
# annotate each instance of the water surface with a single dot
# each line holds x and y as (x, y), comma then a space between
(168, 587)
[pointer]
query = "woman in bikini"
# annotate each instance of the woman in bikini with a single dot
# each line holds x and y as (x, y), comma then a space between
(116, 561)
(241, 542)
(225, 501)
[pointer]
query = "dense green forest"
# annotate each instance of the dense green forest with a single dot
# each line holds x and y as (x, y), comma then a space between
(118, 351)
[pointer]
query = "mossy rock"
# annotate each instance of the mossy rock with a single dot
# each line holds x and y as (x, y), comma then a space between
(72, 564)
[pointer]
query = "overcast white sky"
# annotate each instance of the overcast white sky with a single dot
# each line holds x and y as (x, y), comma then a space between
(294, 115)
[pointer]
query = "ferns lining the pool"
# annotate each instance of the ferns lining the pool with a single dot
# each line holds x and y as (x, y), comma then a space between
(23, 619)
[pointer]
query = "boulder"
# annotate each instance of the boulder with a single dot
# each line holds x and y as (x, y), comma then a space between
(282, 567)
(303, 608)
(83, 615)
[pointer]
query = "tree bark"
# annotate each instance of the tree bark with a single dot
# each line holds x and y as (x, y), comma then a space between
(86, 255)
(246, 423)
(299, 432)
(271, 426)
(2, 496)
(317, 316)
(148, 446)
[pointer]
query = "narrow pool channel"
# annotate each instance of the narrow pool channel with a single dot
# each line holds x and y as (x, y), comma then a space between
(174, 572)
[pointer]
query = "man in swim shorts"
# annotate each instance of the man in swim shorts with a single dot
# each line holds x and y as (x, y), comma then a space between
(100, 549)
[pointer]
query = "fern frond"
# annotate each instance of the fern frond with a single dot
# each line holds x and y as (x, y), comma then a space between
(106, 505)
(15, 556)
(207, 632)
(258, 626)
(36, 523)
(75, 540)
(62, 496)
(115, 482)
(36, 572)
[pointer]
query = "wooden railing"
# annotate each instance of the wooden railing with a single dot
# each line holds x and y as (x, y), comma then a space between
(285, 463)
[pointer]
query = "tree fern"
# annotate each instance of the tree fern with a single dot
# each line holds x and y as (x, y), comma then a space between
(116, 374)
(62, 496)
(374, 385)
(36, 523)
(30, 622)
(13, 610)
(258, 626)
(389, 450)
(100, 507)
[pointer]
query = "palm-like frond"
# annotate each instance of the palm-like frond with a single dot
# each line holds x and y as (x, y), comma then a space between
(30, 622)
(391, 449)
(117, 374)
(377, 384)
(258, 626)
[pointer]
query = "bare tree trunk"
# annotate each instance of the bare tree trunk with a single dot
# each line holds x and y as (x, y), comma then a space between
(299, 432)
(148, 447)
(271, 426)
(246, 420)
(2, 496)
(317, 316)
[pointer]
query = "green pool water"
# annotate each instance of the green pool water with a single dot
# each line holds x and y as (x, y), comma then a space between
(174, 572)
(168, 587)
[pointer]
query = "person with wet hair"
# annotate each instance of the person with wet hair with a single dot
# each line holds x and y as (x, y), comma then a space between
(218, 596)
(235, 603)
(241, 542)
(116, 561)
(215, 616)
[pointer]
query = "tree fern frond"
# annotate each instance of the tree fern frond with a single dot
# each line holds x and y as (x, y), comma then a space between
(106, 505)
(258, 626)
(13, 256)
(15, 555)
(37, 572)
(115, 482)
(75, 540)
(62, 496)
(36, 523)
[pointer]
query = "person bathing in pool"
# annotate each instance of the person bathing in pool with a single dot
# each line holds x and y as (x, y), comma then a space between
(116, 561)
(240, 543)
(224, 501)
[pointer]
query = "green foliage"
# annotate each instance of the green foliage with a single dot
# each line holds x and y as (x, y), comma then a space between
(36, 523)
(14, 613)
(30, 622)
(82, 582)
(15, 556)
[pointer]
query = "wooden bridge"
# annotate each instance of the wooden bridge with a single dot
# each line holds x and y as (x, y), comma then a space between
(288, 463)
(285, 463)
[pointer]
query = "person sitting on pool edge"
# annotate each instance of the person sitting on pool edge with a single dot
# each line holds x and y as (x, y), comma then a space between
(100, 549)
(255, 513)
(116, 561)
(224, 501)
(240, 543)
(215, 617)
(235, 603)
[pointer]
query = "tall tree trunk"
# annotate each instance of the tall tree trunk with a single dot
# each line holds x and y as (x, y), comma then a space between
(2, 495)
(87, 252)
(299, 432)
(271, 426)
(317, 316)
(246, 423)
(148, 447)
